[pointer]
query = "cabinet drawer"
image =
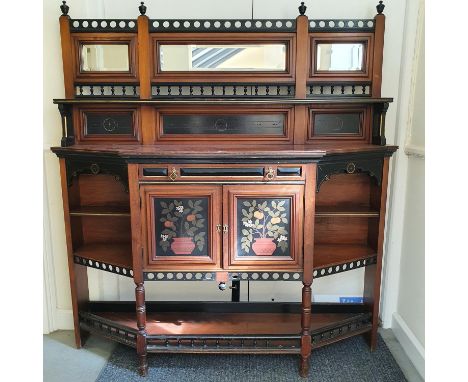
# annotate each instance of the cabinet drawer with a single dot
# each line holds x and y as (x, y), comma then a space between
(242, 124)
(344, 123)
(221, 172)
(108, 124)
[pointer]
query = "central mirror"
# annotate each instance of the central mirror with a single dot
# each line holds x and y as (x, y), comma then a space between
(340, 57)
(104, 58)
(227, 57)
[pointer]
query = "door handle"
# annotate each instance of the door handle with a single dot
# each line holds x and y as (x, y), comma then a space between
(218, 227)
(225, 228)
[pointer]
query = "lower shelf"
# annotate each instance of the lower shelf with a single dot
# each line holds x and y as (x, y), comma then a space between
(240, 328)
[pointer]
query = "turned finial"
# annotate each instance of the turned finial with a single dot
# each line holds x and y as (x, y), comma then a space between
(302, 8)
(380, 7)
(64, 8)
(142, 8)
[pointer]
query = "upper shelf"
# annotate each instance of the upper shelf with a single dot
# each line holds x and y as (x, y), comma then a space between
(237, 101)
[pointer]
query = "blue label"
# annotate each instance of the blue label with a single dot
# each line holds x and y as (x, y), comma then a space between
(351, 300)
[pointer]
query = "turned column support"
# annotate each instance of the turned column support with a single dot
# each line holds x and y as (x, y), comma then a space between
(306, 339)
(137, 260)
(141, 325)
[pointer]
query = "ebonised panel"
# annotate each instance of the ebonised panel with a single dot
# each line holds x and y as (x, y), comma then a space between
(238, 171)
(98, 123)
(336, 124)
(156, 171)
(247, 124)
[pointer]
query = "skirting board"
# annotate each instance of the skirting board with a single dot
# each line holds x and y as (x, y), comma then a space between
(410, 344)
(63, 320)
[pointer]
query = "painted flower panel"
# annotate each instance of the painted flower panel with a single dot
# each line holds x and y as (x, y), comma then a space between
(181, 226)
(263, 226)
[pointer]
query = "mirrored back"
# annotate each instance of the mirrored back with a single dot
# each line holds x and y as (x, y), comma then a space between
(104, 58)
(222, 57)
(340, 57)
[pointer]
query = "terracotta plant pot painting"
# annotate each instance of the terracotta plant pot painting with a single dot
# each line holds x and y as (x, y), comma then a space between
(264, 227)
(181, 224)
(263, 246)
(182, 245)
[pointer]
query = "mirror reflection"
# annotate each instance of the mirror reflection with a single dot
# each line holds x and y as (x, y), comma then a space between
(228, 57)
(105, 58)
(340, 57)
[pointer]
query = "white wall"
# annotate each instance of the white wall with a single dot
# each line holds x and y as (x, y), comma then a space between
(408, 319)
(108, 286)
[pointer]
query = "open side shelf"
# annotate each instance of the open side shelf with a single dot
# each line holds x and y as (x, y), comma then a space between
(335, 258)
(190, 327)
(107, 211)
(345, 211)
(114, 258)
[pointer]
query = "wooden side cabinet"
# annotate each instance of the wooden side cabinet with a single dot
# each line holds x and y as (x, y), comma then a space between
(217, 167)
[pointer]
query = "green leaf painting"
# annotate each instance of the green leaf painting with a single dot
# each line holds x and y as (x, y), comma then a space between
(264, 219)
(182, 218)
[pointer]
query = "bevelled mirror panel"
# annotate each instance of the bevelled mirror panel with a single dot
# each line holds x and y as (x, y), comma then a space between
(340, 57)
(222, 57)
(104, 58)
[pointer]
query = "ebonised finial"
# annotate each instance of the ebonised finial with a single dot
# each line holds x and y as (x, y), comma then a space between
(64, 8)
(380, 7)
(302, 8)
(142, 8)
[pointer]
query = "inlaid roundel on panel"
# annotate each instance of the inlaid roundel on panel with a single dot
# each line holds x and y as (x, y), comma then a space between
(263, 226)
(181, 226)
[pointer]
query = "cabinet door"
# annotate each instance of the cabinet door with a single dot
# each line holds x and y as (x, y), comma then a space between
(264, 226)
(182, 226)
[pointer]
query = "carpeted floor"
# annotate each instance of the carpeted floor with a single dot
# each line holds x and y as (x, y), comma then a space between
(345, 361)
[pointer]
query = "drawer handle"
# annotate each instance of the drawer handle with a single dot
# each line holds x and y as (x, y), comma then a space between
(350, 168)
(95, 169)
(173, 174)
(270, 174)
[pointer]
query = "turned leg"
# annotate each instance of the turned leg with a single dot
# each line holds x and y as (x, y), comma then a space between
(306, 344)
(141, 324)
(142, 365)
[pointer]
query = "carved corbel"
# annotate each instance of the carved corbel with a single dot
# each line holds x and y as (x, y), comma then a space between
(372, 167)
(75, 168)
(378, 128)
(68, 135)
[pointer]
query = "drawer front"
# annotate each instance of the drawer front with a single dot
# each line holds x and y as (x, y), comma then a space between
(108, 125)
(220, 124)
(228, 124)
(345, 123)
(221, 172)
